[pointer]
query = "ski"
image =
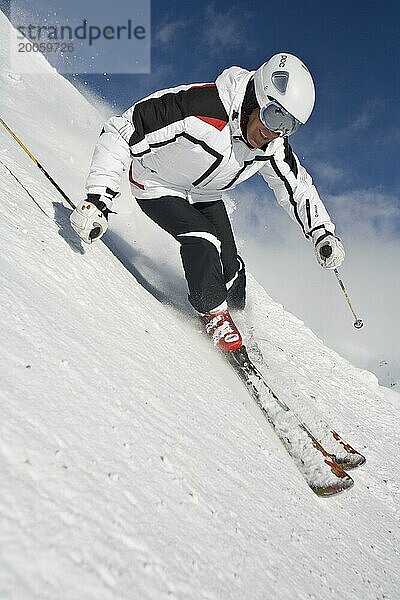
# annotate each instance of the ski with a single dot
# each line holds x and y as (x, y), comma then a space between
(344, 454)
(323, 474)
(339, 450)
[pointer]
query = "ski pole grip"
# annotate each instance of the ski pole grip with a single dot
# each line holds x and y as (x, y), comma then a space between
(326, 251)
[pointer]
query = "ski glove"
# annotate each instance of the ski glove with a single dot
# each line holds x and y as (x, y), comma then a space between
(90, 217)
(328, 250)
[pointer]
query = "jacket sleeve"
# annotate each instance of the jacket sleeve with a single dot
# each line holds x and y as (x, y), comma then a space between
(124, 138)
(111, 156)
(295, 192)
(149, 125)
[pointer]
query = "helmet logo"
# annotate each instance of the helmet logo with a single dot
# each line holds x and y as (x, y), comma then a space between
(283, 61)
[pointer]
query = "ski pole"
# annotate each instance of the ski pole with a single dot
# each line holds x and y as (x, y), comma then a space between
(358, 323)
(24, 188)
(37, 163)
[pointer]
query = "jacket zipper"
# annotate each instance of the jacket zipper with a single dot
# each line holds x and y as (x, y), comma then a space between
(308, 211)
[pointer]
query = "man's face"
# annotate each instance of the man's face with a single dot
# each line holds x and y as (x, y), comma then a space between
(257, 134)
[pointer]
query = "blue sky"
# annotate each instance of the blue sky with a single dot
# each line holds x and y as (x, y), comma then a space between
(352, 49)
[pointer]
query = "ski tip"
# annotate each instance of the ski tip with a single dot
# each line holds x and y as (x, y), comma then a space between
(344, 484)
(353, 462)
(333, 490)
(341, 483)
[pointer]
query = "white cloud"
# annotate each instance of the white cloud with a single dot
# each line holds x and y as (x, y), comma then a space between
(328, 172)
(215, 28)
(369, 112)
(223, 29)
(166, 33)
(368, 212)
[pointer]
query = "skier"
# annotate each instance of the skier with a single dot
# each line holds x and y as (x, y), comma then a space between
(183, 147)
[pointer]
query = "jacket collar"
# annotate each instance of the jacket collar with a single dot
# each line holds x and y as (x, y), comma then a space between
(231, 85)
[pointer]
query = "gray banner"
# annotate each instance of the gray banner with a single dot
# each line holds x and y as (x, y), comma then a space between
(83, 36)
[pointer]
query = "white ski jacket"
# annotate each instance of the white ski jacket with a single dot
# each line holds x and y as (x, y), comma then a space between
(187, 141)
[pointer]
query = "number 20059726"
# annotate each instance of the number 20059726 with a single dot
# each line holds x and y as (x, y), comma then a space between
(45, 47)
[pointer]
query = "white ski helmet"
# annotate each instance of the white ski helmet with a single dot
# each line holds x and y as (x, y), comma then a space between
(288, 81)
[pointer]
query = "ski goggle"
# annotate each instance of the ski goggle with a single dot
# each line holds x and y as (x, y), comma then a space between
(277, 119)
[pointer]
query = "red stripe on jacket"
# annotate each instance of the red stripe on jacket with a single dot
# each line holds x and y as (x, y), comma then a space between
(139, 185)
(217, 123)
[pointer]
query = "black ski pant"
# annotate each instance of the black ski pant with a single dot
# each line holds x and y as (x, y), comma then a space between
(208, 249)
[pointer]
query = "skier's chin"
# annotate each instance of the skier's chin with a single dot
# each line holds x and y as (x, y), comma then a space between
(252, 143)
(259, 145)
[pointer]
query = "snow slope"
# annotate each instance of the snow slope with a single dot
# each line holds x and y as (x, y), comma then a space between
(132, 462)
